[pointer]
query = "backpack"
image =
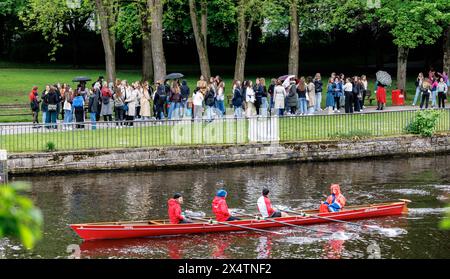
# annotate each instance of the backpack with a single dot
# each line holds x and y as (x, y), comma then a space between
(185, 92)
(210, 100)
(162, 94)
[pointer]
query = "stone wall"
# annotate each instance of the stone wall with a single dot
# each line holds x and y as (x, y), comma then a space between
(199, 156)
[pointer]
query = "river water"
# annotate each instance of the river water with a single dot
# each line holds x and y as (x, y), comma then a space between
(143, 195)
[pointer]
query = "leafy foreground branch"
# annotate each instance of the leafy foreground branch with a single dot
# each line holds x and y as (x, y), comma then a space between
(19, 218)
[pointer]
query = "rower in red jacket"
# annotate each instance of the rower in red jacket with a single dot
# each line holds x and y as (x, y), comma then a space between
(265, 206)
(175, 210)
(220, 207)
(335, 202)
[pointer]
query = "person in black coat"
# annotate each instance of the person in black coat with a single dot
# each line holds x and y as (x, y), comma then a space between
(238, 100)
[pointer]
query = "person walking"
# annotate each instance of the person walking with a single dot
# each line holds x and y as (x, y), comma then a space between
(52, 100)
(67, 107)
(34, 105)
(318, 84)
(250, 98)
(237, 100)
(357, 94)
(146, 102)
(337, 94)
(259, 92)
(107, 102)
(271, 92)
(366, 92)
(348, 93)
(442, 89)
(220, 100)
(185, 93)
(264, 102)
(311, 92)
(210, 102)
(302, 101)
(292, 98)
(330, 100)
(434, 84)
(44, 105)
(418, 83)
(279, 96)
(93, 108)
(198, 103)
(381, 96)
(175, 100)
(119, 105)
(78, 106)
(130, 102)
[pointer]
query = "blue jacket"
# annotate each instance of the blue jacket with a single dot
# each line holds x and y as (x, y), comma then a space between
(78, 102)
(339, 88)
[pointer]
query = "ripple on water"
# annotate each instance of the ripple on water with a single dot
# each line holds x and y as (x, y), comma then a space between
(410, 192)
(392, 232)
(426, 211)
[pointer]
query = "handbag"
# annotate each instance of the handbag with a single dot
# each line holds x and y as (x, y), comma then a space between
(125, 107)
(52, 107)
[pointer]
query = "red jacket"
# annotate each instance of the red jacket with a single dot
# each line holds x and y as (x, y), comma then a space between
(174, 211)
(220, 209)
(381, 95)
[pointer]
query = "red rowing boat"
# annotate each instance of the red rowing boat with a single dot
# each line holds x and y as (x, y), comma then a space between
(137, 229)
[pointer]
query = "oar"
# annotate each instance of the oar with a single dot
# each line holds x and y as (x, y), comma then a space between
(329, 219)
(237, 226)
(286, 224)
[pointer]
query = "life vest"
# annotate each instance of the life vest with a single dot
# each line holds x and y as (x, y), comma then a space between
(335, 202)
(265, 207)
(220, 209)
(174, 211)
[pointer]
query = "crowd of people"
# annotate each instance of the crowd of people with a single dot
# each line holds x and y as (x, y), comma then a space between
(434, 86)
(170, 99)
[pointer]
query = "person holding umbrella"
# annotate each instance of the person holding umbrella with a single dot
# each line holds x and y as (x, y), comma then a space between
(383, 80)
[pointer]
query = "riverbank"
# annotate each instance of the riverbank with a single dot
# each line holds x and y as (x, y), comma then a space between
(214, 155)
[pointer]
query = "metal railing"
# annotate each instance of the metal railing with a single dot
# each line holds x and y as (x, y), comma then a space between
(187, 132)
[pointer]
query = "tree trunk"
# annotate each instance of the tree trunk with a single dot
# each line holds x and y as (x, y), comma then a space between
(147, 57)
(200, 35)
(159, 60)
(244, 29)
(446, 62)
(402, 60)
(294, 44)
(105, 14)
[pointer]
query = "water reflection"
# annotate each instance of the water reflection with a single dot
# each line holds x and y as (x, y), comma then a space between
(143, 195)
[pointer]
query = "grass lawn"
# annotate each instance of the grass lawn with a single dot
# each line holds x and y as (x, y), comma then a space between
(16, 83)
(182, 133)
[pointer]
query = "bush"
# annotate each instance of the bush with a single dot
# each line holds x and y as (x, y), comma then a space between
(50, 146)
(424, 123)
(353, 134)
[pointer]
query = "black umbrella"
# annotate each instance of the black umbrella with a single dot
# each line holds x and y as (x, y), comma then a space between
(78, 79)
(174, 76)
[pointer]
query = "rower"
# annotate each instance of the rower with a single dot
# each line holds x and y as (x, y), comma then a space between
(265, 206)
(335, 202)
(175, 215)
(220, 207)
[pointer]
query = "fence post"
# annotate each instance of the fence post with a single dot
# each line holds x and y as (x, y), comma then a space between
(3, 166)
